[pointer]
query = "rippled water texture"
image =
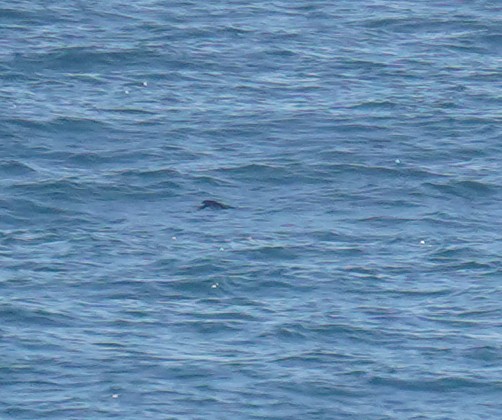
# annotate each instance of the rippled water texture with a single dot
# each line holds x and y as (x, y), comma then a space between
(358, 275)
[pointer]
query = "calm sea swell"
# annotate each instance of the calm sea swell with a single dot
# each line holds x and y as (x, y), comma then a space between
(358, 275)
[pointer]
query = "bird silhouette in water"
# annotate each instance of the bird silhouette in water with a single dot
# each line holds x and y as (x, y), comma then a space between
(214, 205)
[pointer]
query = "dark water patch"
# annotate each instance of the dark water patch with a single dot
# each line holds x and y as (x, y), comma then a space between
(69, 125)
(445, 384)
(211, 327)
(75, 191)
(86, 158)
(52, 190)
(200, 268)
(224, 315)
(91, 78)
(81, 59)
(375, 105)
(24, 15)
(129, 111)
(266, 173)
(453, 252)
(148, 175)
(21, 207)
(117, 162)
(272, 252)
(418, 293)
(361, 169)
(387, 220)
(490, 354)
(77, 125)
(14, 168)
(473, 190)
(17, 313)
(333, 236)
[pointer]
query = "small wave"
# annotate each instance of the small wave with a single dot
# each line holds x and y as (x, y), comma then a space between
(76, 125)
(445, 384)
(29, 314)
(83, 59)
(465, 189)
(9, 168)
(21, 14)
(271, 252)
(157, 173)
(351, 168)
(131, 111)
(23, 207)
(259, 172)
(52, 189)
(375, 105)
(79, 191)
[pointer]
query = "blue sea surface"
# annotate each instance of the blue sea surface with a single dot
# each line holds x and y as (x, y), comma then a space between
(358, 275)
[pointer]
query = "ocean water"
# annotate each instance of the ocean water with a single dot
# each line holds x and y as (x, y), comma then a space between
(358, 275)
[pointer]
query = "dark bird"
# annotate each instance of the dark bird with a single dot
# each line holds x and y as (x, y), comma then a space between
(213, 205)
